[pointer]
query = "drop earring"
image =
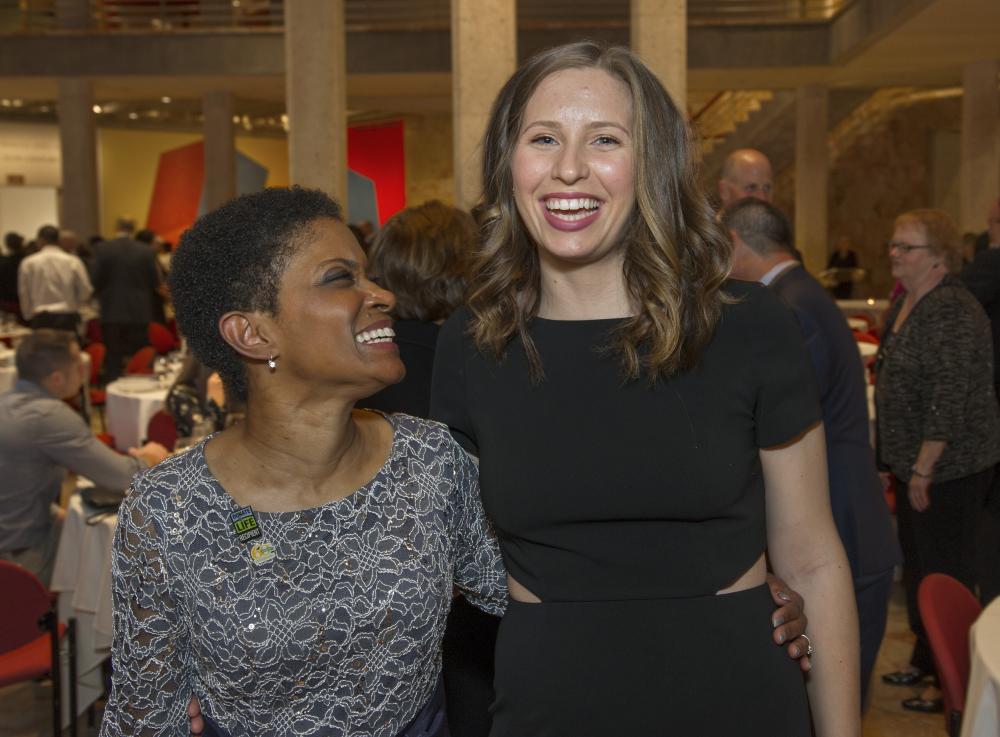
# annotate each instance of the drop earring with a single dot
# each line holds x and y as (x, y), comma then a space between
(272, 364)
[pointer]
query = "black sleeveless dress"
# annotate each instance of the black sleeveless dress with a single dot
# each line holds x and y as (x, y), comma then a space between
(624, 507)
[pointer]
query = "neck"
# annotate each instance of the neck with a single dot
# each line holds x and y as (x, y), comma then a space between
(760, 265)
(293, 452)
(584, 292)
(916, 292)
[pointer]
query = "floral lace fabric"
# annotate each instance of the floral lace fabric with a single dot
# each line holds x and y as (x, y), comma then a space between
(339, 633)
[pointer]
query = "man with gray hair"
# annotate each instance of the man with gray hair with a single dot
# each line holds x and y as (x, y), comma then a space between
(762, 252)
(41, 437)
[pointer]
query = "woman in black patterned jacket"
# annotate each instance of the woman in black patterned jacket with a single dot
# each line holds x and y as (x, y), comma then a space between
(938, 427)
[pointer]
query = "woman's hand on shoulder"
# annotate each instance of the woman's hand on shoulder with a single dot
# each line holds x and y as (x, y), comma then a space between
(194, 717)
(789, 620)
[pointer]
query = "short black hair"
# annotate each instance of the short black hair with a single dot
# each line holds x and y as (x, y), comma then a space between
(13, 241)
(233, 258)
(145, 236)
(43, 352)
(761, 225)
(48, 235)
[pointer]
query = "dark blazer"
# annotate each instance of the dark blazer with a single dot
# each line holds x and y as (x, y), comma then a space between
(982, 278)
(125, 279)
(859, 508)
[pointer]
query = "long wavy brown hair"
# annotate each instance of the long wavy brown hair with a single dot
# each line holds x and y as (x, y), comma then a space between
(676, 257)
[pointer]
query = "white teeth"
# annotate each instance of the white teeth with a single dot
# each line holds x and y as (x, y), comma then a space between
(572, 205)
(379, 335)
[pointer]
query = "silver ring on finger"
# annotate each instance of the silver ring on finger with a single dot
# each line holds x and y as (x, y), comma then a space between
(809, 646)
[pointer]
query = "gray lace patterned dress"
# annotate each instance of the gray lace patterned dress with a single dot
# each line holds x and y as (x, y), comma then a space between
(336, 630)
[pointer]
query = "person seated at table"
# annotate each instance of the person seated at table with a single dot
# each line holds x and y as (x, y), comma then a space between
(295, 570)
(197, 400)
(40, 438)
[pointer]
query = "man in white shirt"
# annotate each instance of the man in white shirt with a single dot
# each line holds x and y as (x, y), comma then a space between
(52, 285)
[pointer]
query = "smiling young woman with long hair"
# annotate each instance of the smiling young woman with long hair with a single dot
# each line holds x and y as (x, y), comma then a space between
(646, 431)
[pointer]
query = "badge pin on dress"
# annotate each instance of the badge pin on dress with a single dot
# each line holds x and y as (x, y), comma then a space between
(262, 552)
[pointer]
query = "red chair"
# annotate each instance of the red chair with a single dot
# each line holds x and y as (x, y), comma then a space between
(161, 338)
(92, 332)
(948, 610)
(162, 429)
(30, 633)
(98, 397)
(142, 361)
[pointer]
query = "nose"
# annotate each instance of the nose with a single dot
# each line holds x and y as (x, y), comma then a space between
(379, 298)
(570, 165)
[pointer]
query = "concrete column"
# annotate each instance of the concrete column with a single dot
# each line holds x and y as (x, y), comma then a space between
(659, 35)
(980, 169)
(483, 57)
(78, 145)
(220, 148)
(316, 95)
(73, 14)
(811, 172)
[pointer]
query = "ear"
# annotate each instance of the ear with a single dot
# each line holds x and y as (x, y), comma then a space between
(248, 333)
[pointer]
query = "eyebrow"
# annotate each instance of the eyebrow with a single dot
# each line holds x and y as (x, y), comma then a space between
(595, 124)
(349, 263)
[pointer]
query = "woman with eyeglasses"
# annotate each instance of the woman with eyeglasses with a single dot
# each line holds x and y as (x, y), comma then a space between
(938, 428)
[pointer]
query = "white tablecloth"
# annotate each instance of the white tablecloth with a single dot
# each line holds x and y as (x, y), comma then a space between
(8, 375)
(14, 334)
(130, 405)
(82, 577)
(874, 309)
(982, 702)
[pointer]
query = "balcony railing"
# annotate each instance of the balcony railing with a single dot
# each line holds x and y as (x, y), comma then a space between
(42, 16)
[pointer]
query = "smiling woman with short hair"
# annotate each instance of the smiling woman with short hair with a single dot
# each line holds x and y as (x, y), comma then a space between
(294, 572)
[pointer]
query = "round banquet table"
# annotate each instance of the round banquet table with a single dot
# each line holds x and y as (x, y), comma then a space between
(131, 402)
(981, 717)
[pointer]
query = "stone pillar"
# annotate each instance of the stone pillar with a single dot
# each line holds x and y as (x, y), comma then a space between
(811, 173)
(316, 95)
(483, 56)
(78, 146)
(220, 148)
(658, 32)
(73, 14)
(980, 169)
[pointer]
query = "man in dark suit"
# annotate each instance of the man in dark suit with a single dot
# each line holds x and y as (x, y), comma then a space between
(763, 252)
(982, 277)
(126, 279)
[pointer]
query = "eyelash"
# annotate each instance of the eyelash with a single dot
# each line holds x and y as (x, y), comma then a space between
(603, 140)
(332, 276)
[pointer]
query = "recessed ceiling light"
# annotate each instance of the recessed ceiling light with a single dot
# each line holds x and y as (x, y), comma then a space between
(166, 100)
(133, 116)
(97, 109)
(17, 103)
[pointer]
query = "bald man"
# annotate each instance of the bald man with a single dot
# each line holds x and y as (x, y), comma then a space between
(746, 173)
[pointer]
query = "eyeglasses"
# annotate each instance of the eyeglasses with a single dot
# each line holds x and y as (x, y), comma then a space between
(905, 248)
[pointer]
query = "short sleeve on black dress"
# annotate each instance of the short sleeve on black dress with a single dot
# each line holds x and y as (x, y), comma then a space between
(448, 387)
(787, 401)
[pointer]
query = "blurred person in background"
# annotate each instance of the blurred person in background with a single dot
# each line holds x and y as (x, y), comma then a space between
(197, 400)
(938, 430)
(420, 255)
(127, 281)
(9, 264)
(53, 285)
(159, 295)
(40, 439)
(843, 257)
